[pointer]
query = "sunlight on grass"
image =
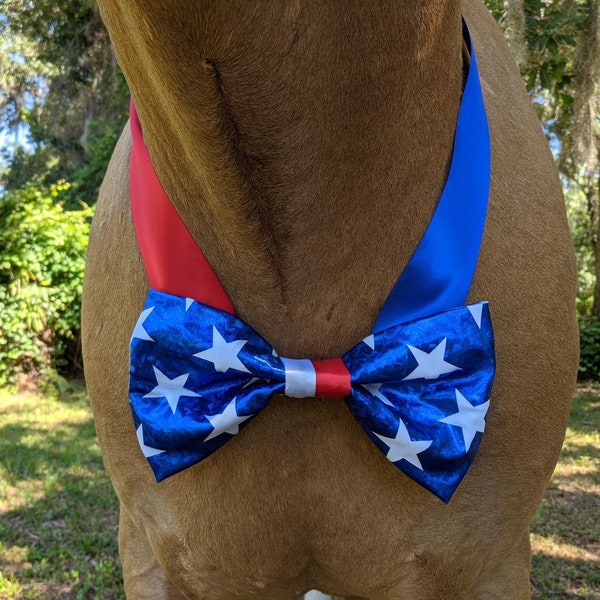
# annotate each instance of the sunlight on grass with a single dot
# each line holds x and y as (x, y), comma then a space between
(565, 536)
(554, 547)
(58, 513)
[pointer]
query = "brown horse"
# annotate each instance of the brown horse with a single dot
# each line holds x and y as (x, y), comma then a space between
(305, 145)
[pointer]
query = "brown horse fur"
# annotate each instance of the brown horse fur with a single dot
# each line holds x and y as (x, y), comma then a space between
(305, 144)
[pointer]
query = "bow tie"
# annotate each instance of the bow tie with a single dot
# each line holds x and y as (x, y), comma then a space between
(419, 390)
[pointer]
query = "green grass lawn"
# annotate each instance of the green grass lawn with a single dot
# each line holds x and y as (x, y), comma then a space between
(565, 535)
(58, 514)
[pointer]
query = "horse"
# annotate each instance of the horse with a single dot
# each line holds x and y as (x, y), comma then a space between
(305, 146)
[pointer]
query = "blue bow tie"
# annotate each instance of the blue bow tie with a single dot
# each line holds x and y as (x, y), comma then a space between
(419, 385)
(419, 390)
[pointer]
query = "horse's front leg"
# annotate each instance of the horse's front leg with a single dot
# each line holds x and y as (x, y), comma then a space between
(143, 576)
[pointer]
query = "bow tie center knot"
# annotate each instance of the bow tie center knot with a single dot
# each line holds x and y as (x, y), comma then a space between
(307, 378)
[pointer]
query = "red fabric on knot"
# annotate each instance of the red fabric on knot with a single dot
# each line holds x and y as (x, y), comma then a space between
(333, 378)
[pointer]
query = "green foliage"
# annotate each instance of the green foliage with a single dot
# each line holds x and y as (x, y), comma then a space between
(581, 232)
(62, 91)
(85, 182)
(60, 85)
(27, 167)
(562, 74)
(552, 35)
(589, 343)
(42, 258)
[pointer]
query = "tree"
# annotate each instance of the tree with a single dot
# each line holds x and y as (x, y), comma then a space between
(58, 78)
(557, 46)
(61, 87)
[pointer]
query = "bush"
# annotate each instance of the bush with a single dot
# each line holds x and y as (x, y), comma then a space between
(589, 345)
(42, 258)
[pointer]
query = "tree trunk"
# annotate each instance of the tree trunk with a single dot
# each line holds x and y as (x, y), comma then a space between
(592, 193)
(515, 31)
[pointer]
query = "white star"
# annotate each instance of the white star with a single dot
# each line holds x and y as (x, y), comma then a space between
(171, 389)
(226, 422)
(402, 447)
(188, 303)
(139, 331)
(224, 354)
(253, 380)
(476, 311)
(146, 450)
(370, 341)
(430, 364)
(469, 418)
(374, 389)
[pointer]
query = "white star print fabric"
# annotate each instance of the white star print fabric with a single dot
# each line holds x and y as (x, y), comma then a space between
(419, 390)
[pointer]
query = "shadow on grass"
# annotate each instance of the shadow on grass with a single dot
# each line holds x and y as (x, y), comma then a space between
(67, 536)
(553, 578)
(30, 453)
(58, 527)
(581, 451)
(584, 414)
(566, 529)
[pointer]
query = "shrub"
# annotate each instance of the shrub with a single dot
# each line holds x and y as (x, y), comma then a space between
(589, 344)
(42, 258)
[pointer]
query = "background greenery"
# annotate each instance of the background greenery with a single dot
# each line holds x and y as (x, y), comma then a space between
(63, 103)
(41, 274)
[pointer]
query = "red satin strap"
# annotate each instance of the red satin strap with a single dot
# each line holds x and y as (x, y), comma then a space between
(173, 261)
(333, 378)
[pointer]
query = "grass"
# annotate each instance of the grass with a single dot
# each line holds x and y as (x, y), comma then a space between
(565, 535)
(58, 514)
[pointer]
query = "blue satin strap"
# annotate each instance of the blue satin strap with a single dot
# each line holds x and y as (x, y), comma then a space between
(439, 274)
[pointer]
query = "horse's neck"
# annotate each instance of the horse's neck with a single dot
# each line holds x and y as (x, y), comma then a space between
(302, 145)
